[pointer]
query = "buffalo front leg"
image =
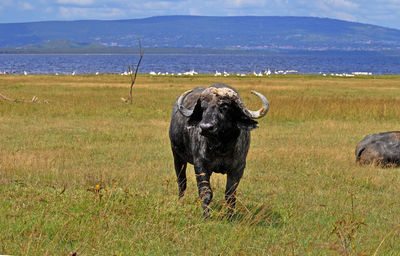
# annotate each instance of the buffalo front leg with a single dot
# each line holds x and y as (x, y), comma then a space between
(205, 192)
(180, 170)
(230, 192)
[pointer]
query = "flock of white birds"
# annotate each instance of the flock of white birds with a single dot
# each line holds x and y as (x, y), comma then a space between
(188, 73)
(267, 72)
(225, 73)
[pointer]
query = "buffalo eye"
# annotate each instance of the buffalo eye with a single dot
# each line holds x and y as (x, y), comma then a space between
(203, 104)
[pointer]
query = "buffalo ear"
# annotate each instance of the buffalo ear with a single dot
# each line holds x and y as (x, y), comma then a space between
(246, 123)
(197, 114)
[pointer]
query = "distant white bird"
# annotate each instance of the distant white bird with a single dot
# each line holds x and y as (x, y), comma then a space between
(190, 73)
(226, 73)
(362, 73)
(97, 73)
(267, 72)
(152, 73)
(73, 73)
(25, 73)
(217, 73)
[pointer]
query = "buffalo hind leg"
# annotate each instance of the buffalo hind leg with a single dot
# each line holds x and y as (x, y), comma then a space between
(180, 170)
(205, 192)
(230, 192)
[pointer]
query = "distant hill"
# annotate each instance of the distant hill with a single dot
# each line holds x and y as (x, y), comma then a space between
(233, 33)
(62, 44)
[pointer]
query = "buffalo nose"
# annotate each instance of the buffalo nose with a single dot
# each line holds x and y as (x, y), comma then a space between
(206, 127)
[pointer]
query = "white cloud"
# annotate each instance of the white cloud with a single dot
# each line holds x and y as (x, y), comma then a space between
(194, 11)
(49, 10)
(245, 3)
(336, 9)
(91, 13)
(156, 5)
(342, 4)
(344, 16)
(76, 2)
(333, 5)
(25, 6)
(69, 13)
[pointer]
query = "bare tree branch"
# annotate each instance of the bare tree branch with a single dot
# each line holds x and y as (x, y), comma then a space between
(131, 67)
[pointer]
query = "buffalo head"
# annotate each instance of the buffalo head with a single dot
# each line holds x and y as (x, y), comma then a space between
(219, 112)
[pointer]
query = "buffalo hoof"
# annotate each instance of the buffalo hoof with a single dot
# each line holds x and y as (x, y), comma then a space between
(206, 211)
(230, 216)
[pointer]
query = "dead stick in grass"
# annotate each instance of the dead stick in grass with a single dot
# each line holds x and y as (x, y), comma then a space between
(6, 98)
(34, 99)
(130, 69)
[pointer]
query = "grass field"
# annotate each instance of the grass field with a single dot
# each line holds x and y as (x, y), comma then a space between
(90, 174)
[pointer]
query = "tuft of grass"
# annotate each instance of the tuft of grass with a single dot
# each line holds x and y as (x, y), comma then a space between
(90, 175)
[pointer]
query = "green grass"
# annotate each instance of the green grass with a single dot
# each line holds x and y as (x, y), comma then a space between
(90, 174)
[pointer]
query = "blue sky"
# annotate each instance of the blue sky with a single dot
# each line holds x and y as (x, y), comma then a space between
(378, 12)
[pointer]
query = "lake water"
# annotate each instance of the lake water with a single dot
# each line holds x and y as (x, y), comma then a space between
(102, 63)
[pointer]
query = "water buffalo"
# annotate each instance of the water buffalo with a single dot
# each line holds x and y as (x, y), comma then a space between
(381, 149)
(210, 128)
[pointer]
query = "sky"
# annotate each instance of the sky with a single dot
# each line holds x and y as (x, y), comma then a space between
(377, 12)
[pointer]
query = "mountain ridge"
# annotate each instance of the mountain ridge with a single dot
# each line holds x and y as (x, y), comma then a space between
(271, 33)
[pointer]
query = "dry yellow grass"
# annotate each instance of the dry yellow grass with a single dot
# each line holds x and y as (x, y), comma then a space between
(90, 174)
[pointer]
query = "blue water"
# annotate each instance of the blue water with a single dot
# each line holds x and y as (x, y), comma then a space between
(92, 63)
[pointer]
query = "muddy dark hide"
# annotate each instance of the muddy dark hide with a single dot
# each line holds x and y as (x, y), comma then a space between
(382, 149)
(210, 128)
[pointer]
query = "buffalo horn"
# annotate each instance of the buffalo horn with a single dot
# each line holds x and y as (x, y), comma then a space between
(259, 113)
(184, 111)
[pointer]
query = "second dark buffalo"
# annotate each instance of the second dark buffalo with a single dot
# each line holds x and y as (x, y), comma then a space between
(382, 149)
(210, 128)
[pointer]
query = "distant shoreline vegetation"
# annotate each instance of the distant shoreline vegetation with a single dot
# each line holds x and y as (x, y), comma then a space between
(132, 50)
